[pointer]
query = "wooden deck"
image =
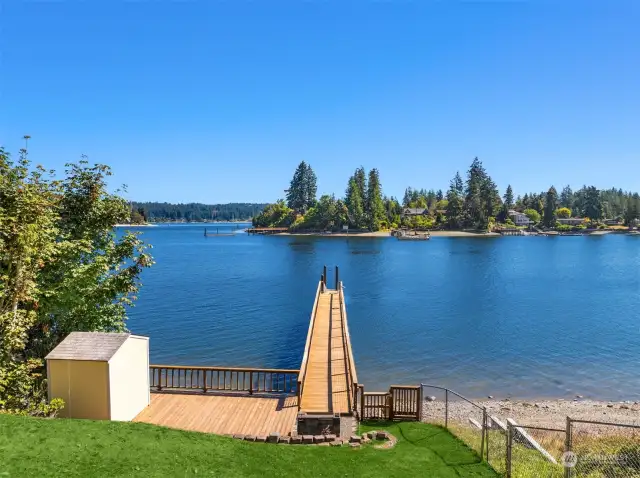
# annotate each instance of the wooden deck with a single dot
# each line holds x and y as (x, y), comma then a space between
(326, 382)
(222, 414)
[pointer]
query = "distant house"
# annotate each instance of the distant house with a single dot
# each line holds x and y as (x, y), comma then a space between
(612, 222)
(570, 221)
(518, 218)
(414, 211)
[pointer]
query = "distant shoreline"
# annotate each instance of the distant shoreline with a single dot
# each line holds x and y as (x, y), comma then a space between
(136, 225)
(388, 234)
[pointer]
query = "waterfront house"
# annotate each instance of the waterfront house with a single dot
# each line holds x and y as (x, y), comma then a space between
(571, 221)
(518, 218)
(415, 211)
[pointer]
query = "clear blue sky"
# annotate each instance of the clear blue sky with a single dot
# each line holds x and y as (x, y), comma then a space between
(219, 101)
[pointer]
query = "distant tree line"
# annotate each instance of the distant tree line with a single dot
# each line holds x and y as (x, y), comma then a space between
(193, 212)
(470, 203)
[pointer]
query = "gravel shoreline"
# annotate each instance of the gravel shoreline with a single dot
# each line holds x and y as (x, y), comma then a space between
(543, 413)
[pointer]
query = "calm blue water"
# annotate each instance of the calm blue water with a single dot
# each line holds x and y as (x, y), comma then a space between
(516, 316)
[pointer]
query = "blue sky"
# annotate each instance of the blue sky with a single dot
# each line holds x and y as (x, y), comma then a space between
(219, 101)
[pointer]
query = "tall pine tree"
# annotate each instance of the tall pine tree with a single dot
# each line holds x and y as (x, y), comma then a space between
(550, 206)
(375, 205)
(301, 194)
(455, 203)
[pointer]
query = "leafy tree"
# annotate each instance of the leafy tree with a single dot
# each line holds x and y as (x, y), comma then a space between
(551, 204)
(62, 268)
(393, 211)
(277, 214)
(563, 213)
(375, 204)
(302, 190)
(533, 215)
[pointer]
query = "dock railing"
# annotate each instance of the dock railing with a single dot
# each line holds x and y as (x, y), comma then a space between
(305, 357)
(352, 376)
(224, 379)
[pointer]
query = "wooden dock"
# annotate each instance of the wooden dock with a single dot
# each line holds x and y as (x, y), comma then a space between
(251, 401)
(328, 380)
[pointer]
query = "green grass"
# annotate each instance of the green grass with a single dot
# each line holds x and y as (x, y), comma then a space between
(63, 447)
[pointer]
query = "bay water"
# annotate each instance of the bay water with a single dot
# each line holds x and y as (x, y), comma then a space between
(526, 317)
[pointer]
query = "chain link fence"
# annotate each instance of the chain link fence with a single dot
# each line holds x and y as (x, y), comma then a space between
(601, 449)
(583, 448)
(463, 417)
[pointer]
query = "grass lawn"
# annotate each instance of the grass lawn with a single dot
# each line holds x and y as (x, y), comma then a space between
(63, 447)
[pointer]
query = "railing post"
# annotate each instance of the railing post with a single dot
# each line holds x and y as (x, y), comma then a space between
(324, 274)
(159, 379)
(321, 283)
(337, 278)
(250, 383)
(567, 446)
(484, 431)
(362, 403)
(509, 441)
(446, 408)
(420, 399)
(204, 380)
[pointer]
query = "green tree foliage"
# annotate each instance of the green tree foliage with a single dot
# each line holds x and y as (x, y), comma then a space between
(354, 199)
(533, 215)
(301, 194)
(62, 268)
(563, 213)
(592, 203)
(550, 206)
(277, 214)
(393, 210)
(481, 197)
(375, 205)
(632, 210)
(196, 212)
(455, 203)
(507, 204)
(566, 197)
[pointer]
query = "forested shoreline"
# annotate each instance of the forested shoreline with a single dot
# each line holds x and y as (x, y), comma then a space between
(471, 204)
(142, 212)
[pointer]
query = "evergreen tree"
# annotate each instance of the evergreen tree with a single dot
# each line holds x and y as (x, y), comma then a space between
(473, 202)
(550, 206)
(455, 203)
(354, 203)
(439, 195)
(566, 197)
(374, 206)
(408, 194)
(297, 192)
(309, 188)
(508, 198)
(592, 203)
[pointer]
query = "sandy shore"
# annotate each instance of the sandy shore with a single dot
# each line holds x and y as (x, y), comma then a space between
(135, 225)
(388, 234)
(544, 413)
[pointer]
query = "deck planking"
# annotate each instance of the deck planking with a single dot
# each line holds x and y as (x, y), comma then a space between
(222, 414)
(325, 384)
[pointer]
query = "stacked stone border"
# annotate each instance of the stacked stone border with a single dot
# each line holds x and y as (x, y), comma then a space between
(386, 440)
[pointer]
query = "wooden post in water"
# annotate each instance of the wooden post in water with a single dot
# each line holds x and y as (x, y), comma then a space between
(324, 274)
(205, 232)
(337, 278)
(321, 283)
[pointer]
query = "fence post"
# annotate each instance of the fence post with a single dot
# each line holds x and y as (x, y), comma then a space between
(337, 277)
(484, 427)
(251, 385)
(485, 431)
(420, 401)
(324, 274)
(204, 381)
(362, 403)
(446, 408)
(509, 441)
(390, 402)
(567, 446)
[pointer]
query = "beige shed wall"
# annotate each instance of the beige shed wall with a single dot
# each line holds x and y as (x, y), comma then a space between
(129, 379)
(83, 385)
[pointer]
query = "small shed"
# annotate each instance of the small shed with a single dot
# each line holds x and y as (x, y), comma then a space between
(100, 375)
